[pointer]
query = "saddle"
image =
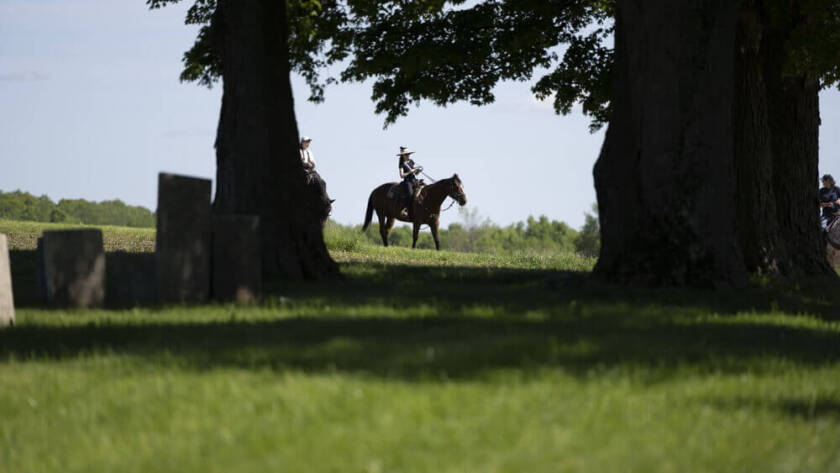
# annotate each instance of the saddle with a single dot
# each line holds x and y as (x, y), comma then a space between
(399, 192)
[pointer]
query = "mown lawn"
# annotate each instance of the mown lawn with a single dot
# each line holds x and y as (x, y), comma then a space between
(427, 362)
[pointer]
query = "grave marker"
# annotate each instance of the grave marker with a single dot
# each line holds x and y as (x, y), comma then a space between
(7, 301)
(237, 263)
(182, 247)
(73, 268)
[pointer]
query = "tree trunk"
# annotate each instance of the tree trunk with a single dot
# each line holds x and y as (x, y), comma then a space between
(709, 165)
(259, 170)
(777, 151)
(755, 199)
(794, 120)
(666, 177)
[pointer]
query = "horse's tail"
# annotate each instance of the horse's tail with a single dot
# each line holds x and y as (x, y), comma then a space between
(369, 212)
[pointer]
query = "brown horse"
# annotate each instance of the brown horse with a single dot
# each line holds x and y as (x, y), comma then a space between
(425, 207)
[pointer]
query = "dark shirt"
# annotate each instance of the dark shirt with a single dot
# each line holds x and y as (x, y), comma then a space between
(829, 195)
(407, 167)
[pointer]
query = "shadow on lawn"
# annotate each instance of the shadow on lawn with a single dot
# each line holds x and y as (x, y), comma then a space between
(451, 288)
(532, 320)
(805, 408)
(442, 347)
(518, 290)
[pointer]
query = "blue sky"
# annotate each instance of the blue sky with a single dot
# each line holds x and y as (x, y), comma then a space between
(91, 107)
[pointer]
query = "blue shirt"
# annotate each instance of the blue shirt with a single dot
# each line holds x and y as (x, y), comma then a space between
(829, 195)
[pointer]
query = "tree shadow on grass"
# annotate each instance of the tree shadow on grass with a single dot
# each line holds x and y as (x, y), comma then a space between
(651, 348)
(519, 290)
(534, 320)
(801, 408)
(451, 288)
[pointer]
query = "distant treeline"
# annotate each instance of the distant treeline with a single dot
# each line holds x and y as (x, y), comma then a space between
(25, 206)
(535, 234)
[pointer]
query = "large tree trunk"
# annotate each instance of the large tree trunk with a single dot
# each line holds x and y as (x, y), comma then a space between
(777, 151)
(708, 168)
(259, 170)
(755, 199)
(794, 120)
(666, 178)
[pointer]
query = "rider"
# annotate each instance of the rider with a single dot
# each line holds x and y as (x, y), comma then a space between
(408, 173)
(306, 154)
(312, 176)
(829, 200)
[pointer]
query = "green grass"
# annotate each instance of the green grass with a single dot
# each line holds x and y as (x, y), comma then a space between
(24, 235)
(421, 361)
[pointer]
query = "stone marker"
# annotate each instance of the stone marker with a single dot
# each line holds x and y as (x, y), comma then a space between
(7, 301)
(130, 279)
(73, 268)
(237, 263)
(40, 281)
(182, 248)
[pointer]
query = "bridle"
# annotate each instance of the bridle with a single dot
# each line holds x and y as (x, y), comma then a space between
(458, 195)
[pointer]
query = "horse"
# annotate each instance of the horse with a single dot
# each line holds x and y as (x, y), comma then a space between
(425, 207)
(319, 199)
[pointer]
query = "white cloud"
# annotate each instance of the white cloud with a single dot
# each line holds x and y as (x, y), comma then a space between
(23, 76)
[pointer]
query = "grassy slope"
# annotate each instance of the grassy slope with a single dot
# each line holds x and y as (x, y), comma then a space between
(423, 361)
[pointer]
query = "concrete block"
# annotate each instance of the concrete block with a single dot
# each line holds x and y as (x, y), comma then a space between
(182, 247)
(237, 263)
(73, 268)
(130, 279)
(7, 300)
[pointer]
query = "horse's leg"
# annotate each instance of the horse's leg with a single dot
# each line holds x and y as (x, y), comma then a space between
(383, 231)
(389, 224)
(434, 227)
(416, 233)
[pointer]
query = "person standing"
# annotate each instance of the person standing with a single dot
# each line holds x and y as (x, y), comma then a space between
(829, 201)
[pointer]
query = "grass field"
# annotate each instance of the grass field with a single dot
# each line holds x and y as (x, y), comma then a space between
(426, 362)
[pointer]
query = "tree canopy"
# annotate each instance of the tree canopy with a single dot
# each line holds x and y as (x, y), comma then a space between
(437, 50)
(446, 51)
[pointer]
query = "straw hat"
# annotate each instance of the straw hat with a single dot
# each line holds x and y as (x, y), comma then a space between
(404, 150)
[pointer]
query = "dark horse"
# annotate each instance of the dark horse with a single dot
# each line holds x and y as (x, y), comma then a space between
(320, 201)
(425, 207)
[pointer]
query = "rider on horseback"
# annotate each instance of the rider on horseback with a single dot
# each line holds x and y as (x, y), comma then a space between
(408, 173)
(313, 179)
(829, 201)
(306, 154)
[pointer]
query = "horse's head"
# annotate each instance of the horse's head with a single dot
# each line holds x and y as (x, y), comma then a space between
(320, 202)
(456, 190)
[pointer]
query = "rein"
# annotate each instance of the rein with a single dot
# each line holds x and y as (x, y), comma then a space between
(447, 196)
(450, 205)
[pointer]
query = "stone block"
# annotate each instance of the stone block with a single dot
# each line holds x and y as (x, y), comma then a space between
(237, 263)
(40, 280)
(130, 279)
(73, 268)
(182, 247)
(7, 300)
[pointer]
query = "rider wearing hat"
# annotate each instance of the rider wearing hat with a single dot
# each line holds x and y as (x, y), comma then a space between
(408, 173)
(306, 154)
